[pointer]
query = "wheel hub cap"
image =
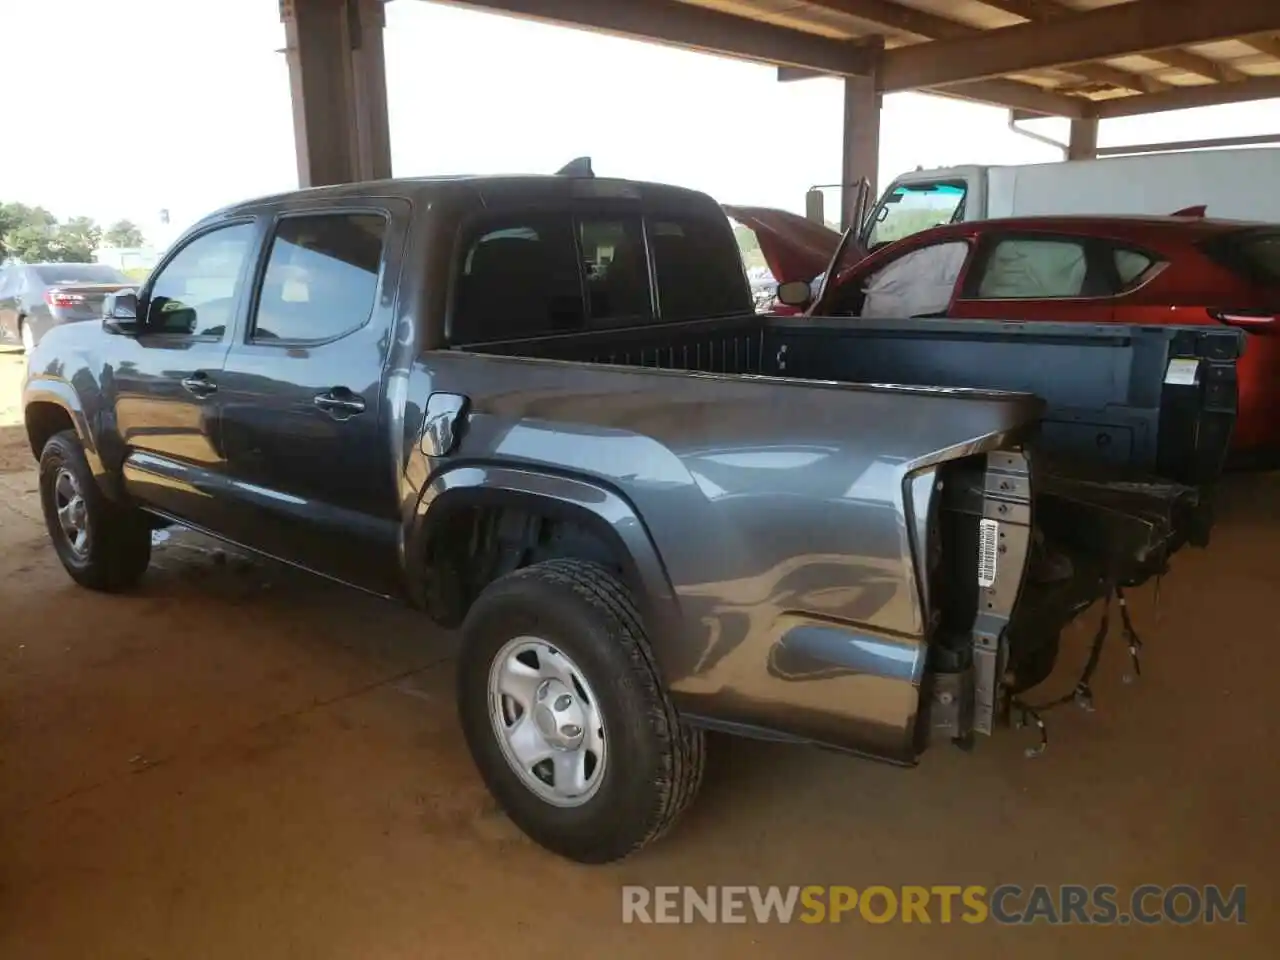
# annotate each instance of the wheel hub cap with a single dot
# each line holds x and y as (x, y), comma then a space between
(559, 716)
(547, 721)
(73, 512)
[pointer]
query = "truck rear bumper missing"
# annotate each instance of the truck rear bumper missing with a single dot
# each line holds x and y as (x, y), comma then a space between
(1027, 547)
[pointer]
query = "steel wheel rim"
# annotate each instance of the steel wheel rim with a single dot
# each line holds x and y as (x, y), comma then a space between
(547, 721)
(72, 511)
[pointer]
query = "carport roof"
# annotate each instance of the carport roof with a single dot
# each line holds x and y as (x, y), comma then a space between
(1072, 58)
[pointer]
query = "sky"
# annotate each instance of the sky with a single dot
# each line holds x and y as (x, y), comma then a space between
(143, 105)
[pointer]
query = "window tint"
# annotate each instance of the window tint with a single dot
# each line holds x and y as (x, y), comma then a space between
(617, 269)
(1262, 253)
(194, 293)
(519, 278)
(322, 277)
(80, 273)
(1252, 254)
(698, 268)
(1026, 268)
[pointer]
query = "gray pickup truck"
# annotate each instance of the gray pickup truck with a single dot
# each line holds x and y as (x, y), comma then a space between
(543, 409)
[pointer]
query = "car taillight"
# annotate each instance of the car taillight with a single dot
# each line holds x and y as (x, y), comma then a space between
(56, 298)
(1255, 321)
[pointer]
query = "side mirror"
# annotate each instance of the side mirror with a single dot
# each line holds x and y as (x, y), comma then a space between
(794, 293)
(120, 312)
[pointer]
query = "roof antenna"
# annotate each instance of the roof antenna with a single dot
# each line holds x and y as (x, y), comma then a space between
(577, 167)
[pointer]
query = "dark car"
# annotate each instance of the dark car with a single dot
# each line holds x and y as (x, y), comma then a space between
(543, 409)
(37, 296)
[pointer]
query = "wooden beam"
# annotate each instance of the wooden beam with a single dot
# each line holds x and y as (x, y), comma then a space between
(1203, 95)
(1013, 94)
(897, 17)
(1190, 62)
(933, 27)
(1099, 34)
(1265, 43)
(1042, 11)
(1017, 95)
(693, 27)
(1083, 142)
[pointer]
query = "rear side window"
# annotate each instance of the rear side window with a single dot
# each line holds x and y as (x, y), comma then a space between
(519, 278)
(1131, 266)
(698, 268)
(1254, 255)
(321, 280)
(1025, 268)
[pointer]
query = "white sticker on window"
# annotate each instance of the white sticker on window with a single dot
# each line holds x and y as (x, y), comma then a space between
(1183, 372)
(988, 547)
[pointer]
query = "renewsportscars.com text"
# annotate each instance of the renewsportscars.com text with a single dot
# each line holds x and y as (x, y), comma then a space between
(1007, 904)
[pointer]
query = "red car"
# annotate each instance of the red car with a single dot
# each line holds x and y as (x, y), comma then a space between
(1177, 269)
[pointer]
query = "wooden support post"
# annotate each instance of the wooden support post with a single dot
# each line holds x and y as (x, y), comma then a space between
(338, 79)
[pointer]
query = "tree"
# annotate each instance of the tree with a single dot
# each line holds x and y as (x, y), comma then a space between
(33, 235)
(123, 233)
(75, 240)
(26, 233)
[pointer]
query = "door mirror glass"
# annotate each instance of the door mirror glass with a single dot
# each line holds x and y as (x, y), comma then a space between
(120, 311)
(794, 293)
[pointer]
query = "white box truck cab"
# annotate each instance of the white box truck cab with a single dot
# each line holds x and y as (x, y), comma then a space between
(1232, 184)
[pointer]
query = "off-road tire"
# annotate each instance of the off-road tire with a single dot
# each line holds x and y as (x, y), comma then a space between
(655, 762)
(119, 542)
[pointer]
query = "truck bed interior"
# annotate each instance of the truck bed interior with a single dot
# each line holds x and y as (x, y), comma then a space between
(1122, 466)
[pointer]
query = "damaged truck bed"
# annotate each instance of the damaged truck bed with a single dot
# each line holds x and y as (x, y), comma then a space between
(1099, 467)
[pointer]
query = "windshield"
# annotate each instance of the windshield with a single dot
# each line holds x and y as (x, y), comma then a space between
(59, 273)
(912, 207)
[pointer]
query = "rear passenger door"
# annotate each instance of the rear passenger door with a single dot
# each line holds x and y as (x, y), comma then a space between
(1029, 276)
(304, 420)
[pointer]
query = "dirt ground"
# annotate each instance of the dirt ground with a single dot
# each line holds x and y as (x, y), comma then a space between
(241, 762)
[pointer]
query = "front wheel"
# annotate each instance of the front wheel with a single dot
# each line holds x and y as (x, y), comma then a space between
(565, 714)
(102, 545)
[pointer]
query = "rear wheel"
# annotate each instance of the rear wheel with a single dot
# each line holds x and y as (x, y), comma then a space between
(565, 714)
(102, 545)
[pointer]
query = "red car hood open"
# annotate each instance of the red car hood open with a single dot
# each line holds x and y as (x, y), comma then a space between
(794, 248)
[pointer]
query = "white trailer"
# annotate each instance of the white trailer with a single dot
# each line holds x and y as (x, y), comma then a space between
(1238, 184)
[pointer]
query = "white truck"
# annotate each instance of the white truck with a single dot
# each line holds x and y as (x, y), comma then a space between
(1231, 184)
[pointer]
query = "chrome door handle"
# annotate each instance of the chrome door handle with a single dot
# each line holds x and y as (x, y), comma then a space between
(339, 402)
(199, 384)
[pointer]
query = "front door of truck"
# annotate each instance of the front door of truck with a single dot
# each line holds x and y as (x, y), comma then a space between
(307, 437)
(163, 386)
